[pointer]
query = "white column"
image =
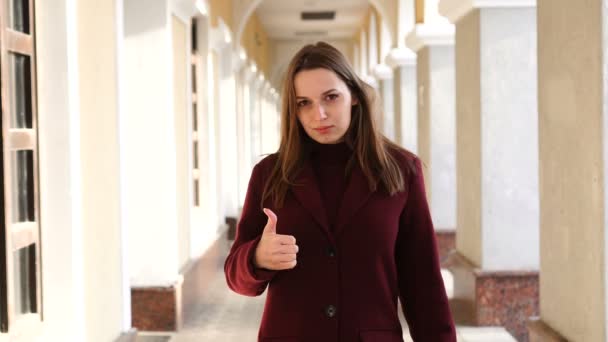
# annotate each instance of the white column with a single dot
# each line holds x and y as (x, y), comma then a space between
(433, 41)
(403, 62)
(149, 145)
(225, 122)
(384, 74)
(99, 59)
(255, 108)
(497, 135)
(239, 65)
(59, 157)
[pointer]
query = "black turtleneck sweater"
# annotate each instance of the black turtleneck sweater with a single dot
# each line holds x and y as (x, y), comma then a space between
(329, 164)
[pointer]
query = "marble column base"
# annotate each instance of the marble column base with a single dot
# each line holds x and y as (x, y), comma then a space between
(538, 331)
(165, 308)
(495, 298)
(156, 308)
(231, 222)
(446, 243)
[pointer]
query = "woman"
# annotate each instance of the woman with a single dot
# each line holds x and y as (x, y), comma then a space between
(336, 223)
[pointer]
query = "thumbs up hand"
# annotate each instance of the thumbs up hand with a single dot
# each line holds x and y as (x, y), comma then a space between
(274, 251)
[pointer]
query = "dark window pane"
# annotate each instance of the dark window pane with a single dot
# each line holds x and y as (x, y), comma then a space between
(20, 15)
(194, 35)
(194, 117)
(24, 271)
(20, 91)
(196, 199)
(23, 186)
(194, 79)
(195, 154)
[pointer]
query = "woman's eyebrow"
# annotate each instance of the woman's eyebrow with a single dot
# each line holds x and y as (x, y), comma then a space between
(324, 93)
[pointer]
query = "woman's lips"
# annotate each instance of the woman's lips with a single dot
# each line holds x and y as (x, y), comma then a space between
(323, 130)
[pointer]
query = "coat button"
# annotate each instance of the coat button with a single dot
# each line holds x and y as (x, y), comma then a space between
(330, 311)
(331, 252)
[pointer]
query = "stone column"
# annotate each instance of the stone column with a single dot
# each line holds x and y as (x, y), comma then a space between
(154, 152)
(384, 74)
(433, 43)
(573, 148)
(403, 63)
(100, 242)
(497, 149)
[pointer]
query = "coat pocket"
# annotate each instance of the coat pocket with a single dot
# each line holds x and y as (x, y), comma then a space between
(381, 336)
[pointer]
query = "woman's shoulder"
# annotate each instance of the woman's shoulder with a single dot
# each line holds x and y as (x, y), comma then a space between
(406, 159)
(265, 165)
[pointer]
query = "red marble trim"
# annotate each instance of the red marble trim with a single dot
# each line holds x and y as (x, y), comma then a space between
(507, 300)
(541, 332)
(498, 298)
(154, 308)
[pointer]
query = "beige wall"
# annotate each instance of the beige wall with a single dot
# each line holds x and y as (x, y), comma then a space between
(468, 137)
(183, 151)
(570, 48)
(424, 128)
(256, 43)
(97, 68)
(223, 9)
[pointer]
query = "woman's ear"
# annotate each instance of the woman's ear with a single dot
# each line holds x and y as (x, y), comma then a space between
(354, 101)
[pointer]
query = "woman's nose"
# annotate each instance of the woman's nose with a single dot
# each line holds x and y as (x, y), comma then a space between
(319, 112)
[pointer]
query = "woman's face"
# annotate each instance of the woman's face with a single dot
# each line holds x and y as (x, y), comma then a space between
(324, 105)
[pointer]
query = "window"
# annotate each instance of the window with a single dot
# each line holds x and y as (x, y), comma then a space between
(20, 289)
(195, 60)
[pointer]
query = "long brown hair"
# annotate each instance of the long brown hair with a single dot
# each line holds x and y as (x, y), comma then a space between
(371, 148)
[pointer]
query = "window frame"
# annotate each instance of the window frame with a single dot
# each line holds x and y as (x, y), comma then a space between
(17, 235)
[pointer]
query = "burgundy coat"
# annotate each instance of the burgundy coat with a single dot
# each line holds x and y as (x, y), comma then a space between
(346, 283)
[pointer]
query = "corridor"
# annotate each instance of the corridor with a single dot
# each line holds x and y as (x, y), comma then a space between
(131, 130)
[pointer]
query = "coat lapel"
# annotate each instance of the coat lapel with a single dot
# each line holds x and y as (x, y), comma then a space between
(356, 194)
(306, 191)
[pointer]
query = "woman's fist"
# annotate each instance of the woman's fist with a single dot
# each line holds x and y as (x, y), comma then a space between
(274, 251)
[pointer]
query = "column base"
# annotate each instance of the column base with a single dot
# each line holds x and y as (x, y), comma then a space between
(165, 308)
(231, 222)
(538, 331)
(494, 298)
(446, 243)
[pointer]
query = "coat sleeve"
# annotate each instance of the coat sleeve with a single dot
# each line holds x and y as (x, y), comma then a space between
(421, 289)
(242, 277)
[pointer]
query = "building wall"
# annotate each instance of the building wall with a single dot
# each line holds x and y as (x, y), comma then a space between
(257, 44)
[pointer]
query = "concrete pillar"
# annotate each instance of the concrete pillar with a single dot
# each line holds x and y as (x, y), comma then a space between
(384, 74)
(573, 148)
(84, 275)
(433, 43)
(156, 160)
(405, 103)
(99, 104)
(497, 149)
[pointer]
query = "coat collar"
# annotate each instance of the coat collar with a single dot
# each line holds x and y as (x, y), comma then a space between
(306, 191)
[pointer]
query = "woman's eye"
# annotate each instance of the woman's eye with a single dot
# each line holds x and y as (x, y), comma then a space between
(332, 97)
(302, 103)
